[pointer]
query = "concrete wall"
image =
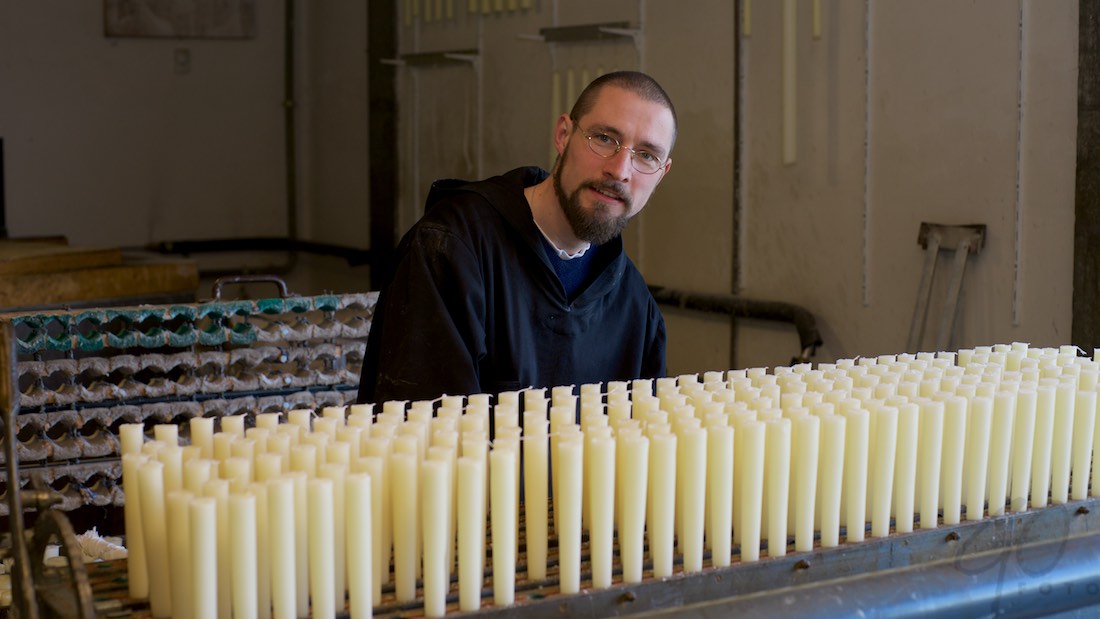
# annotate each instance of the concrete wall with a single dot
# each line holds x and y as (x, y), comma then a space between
(905, 112)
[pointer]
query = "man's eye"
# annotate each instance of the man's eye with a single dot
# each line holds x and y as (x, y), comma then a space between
(603, 138)
(645, 156)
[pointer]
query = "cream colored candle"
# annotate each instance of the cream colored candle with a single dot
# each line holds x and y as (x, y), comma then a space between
(322, 561)
(238, 471)
(204, 556)
(202, 435)
(242, 534)
(435, 478)
(263, 551)
(374, 467)
(804, 479)
(1000, 450)
(471, 525)
(502, 513)
(171, 456)
(154, 530)
(268, 420)
(280, 541)
(131, 438)
(830, 477)
(885, 421)
(302, 418)
(1084, 425)
(954, 449)
(536, 479)
(337, 473)
(304, 458)
(930, 462)
(136, 565)
(301, 541)
(905, 466)
(978, 431)
(269, 466)
(777, 475)
(1061, 452)
(178, 504)
(752, 445)
(1044, 433)
(234, 425)
(719, 478)
(405, 488)
(601, 489)
(360, 556)
(218, 489)
(221, 445)
(567, 513)
(634, 456)
(661, 502)
(167, 433)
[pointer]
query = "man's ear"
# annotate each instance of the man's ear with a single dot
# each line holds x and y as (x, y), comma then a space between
(561, 132)
(668, 167)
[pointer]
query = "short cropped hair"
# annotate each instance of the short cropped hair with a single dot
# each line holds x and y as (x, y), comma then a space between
(633, 81)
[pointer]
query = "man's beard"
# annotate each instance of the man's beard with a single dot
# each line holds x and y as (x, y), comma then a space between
(591, 226)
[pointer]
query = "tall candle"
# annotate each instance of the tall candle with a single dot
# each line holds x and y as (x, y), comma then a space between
(233, 425)
(885, 421)
(131, 438)
(951, 468)
(268, 420)
(358, 495)
(202, 435)
(302, 418)
(601, 489)
(218, 489)
(178, 504)
(752, 445)
(804, 480)
(930, 461)
(204, 556)
(280, 509)
(634, 456)
(1084, 424)
(977, 455)
(403, 477)
(154, 529)
(830, 477)
(1061, 452)
(321, 559)
(136, 566)
(777, 475)
(1000, 448)
(719, 478)
(471, 524)
(435, 501)
(167, 433)
(502, 511)
(536, 478)
(337, 473)
(242, 533)
(1041, 450)
(567, 513)
(905, 466)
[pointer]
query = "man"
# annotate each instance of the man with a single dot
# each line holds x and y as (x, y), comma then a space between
(521, 280)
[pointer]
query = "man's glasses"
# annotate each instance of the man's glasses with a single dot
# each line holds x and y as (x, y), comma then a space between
(606, 146)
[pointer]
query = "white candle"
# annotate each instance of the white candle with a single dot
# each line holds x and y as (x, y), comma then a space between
(131, 438)
(218, 489)
(752, 444)
(154, 529)
(1061, 452)
(268, 420)
(885, 421)
(178, 504)
(280, 509)
(242, 533)
(634, 456)
(471, 525)
(567, 512)
(358, 495)
(777, 475)
(601, 488)
(931, 455)
(1084, 424)
(302, 418)
(171, 456)
(337, 473)
(720, 494)
(168, 433)
(1000, 448)
(954, 444)
(233, 425)
(831, 475)
(536, 479)
(435, 501)
(322, 561)
(1044, 433)
(136, 566)
(502, 512)
(804, 480)
(404, 477)
(977, 455)
(905, 466)
(204, 556)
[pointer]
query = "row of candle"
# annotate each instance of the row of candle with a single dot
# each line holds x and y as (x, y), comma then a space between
(744, 458)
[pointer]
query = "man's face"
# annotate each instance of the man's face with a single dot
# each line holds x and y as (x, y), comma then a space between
(600, 195)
